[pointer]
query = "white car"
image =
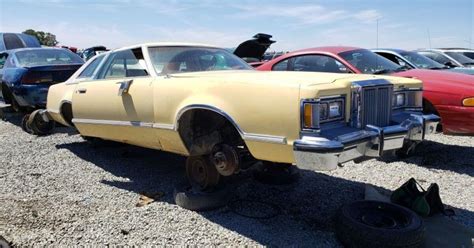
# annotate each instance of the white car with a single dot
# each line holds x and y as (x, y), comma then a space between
(449, 57)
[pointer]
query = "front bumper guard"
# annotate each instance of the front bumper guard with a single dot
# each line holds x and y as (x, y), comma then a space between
(319, 153)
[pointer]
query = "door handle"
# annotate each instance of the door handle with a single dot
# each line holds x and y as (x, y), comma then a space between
(81, 91)
(124, 86)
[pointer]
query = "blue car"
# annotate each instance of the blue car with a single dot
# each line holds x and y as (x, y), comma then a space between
(414, 60)
(27, 73)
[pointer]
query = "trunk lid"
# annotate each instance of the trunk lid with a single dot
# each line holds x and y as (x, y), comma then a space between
(49, 74)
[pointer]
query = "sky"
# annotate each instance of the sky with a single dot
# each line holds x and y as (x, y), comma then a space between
(293, 24)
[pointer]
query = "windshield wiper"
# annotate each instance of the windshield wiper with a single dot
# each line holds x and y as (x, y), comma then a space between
(468, 63)
(382, 71)
(438, 68)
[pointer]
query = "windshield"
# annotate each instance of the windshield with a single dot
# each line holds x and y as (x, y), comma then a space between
(460, 58)
(421, 61)
(168, 60)
(369, 62)
(38, 57)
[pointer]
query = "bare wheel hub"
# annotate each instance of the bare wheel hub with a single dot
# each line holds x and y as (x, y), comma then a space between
(226, 160)
(201, 172)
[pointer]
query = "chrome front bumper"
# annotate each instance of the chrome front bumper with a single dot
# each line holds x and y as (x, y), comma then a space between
(319, 153)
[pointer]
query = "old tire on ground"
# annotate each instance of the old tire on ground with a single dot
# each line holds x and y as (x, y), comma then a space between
(193, 199)
(276, 174)
(379, 224)
(38, 125)
(24, 124)
(201, 172)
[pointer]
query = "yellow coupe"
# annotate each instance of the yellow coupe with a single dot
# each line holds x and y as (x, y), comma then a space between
(204, 102)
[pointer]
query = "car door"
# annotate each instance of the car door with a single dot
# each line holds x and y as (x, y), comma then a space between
(118, 105)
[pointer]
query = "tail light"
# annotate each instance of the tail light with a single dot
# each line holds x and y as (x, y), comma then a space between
(37, 77)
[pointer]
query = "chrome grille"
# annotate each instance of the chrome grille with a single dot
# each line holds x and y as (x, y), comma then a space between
(372, 103)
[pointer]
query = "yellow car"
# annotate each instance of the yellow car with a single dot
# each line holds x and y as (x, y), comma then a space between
(205, 103)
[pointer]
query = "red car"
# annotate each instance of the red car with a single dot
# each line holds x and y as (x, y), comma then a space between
(447, 94)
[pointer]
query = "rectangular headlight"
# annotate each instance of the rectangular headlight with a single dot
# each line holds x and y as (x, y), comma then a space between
(331, 109)
(335, 109)
(315, 112)
(398, 100)
(407, 99)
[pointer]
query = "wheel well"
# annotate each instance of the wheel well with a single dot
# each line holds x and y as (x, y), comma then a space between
(202, 129)
(429, 108)
(66, 112)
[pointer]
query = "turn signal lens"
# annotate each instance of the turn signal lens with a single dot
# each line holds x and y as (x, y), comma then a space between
(308, 115)
(468, 102)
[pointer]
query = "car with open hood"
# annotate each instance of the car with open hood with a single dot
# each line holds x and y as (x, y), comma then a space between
(27, 73)
(449, 95)
(253, 51)
(206, 103)
(415, 60)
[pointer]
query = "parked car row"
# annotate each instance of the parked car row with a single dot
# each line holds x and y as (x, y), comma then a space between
(315, 108)
(447, 94)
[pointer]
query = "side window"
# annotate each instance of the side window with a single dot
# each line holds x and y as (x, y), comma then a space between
(3, 59)
(436, 57)
(89, 70)
(281, 66)
(318, 63)
(12, 41)
(127, 63)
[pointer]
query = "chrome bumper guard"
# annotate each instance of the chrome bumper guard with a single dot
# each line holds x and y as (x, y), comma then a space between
(319, 153)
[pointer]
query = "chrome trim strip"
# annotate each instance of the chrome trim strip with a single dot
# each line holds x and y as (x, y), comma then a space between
(113, 123)
(163, 126)
(207, 107)
(245, 136)
(265, 138)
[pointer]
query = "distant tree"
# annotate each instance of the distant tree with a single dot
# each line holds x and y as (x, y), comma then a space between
(45, 38)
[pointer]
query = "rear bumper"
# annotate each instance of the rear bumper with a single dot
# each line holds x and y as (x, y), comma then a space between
(319, 153)
(31, 95)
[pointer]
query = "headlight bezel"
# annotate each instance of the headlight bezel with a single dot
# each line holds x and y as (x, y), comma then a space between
(412, 99)
(317, 117)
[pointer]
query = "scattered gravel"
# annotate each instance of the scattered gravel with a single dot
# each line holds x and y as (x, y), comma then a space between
(62, 190)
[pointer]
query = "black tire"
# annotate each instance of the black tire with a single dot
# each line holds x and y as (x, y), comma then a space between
(10, 99)
(190, 198)
(276, 174)
(38, 125)
(379, 224)
(24, 124)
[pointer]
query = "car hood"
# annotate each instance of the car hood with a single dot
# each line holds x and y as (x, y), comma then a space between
(455, 83)
(469, 71)
(287, 77)
(254, 48)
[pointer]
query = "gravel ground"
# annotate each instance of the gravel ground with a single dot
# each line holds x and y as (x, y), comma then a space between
(62, 190)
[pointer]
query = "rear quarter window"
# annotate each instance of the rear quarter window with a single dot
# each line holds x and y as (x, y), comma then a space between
(12, 41)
